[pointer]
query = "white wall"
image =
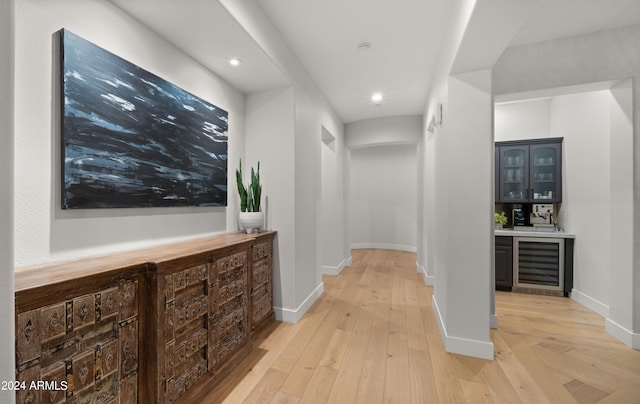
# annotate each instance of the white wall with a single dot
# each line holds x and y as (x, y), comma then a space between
(311, 113)
(528, 119)
(270, 131)
(478, 34)
(383, 195)
(583, 120)
(45, 233)
(469, 173)
(7, 344)
(405, 129)
(596, 57)
(307, 183)
(382, 163)
(621, 292)
(333, 247)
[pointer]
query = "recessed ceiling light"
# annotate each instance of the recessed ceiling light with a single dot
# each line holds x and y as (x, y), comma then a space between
(376, 97)
(235, 62)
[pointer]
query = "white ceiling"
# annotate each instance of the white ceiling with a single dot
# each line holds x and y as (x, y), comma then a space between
(204, 30)
(405, 40)
(554, 19)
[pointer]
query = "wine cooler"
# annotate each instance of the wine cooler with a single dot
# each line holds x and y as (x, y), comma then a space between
(538, 264)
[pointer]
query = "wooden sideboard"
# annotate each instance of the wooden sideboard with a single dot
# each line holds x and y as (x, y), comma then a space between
(146, 326)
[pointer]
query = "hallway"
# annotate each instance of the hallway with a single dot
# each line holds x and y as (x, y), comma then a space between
(372, 337)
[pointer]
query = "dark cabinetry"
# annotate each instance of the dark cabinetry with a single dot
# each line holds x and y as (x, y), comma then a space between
(529, 171)
(504, 263)
(543, 266)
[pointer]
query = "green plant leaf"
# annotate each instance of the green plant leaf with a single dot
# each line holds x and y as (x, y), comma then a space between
(242, 191)
(250, 196)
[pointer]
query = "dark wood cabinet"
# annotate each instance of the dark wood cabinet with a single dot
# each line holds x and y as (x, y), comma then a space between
(529, 171)
(504, 262)
(154, 325)
(262, 281)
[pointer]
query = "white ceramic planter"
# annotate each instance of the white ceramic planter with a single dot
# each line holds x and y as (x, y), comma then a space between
(251, 221)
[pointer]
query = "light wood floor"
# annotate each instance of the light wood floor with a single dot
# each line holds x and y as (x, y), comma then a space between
(372, 338)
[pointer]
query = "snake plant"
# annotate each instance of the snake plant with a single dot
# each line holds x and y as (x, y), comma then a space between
(251, 194)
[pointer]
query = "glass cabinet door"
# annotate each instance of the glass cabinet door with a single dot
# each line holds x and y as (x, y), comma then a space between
(514, 175)
(546, 181)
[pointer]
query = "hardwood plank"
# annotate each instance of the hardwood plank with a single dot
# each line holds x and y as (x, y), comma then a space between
(421, 379)
(283, 398)
(625, 395)
(305, 330)
(334, 353)
(320, 386)
(397, 387)
(584, 393)
(415, 325)
(548, 383)
(372, 379)
(271, 347)
(548, 349)
(266, 389)
(501, 389)
(304, 369)
(476, 392)
(526, 387)
(346, 388)
(619, 375)
(447, 382)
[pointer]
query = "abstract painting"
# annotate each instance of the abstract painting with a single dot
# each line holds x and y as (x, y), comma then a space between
(132, 139)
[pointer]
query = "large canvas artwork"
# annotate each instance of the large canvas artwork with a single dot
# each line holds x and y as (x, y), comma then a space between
(132, 139)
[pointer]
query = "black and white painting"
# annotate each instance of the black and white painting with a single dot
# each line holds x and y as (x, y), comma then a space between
(132, 139)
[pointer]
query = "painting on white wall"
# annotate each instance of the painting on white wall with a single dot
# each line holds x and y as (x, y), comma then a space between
(132, 139)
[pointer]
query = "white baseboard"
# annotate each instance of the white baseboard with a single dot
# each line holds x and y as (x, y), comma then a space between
(436, 310)
(493, 320)
(429, 280)
(462, 346)
(329, 270)
(383, 246)
(590, 303)
(628, 337)
(294, 315)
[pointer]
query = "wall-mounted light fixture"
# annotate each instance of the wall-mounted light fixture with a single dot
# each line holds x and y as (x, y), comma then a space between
(436, 119)
(432, 124)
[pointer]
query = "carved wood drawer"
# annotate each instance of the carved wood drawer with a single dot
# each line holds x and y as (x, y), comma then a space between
(85, 348)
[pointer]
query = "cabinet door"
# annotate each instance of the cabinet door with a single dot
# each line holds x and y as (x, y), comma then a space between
(546, 172)
(504, 263)
(514, 174)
